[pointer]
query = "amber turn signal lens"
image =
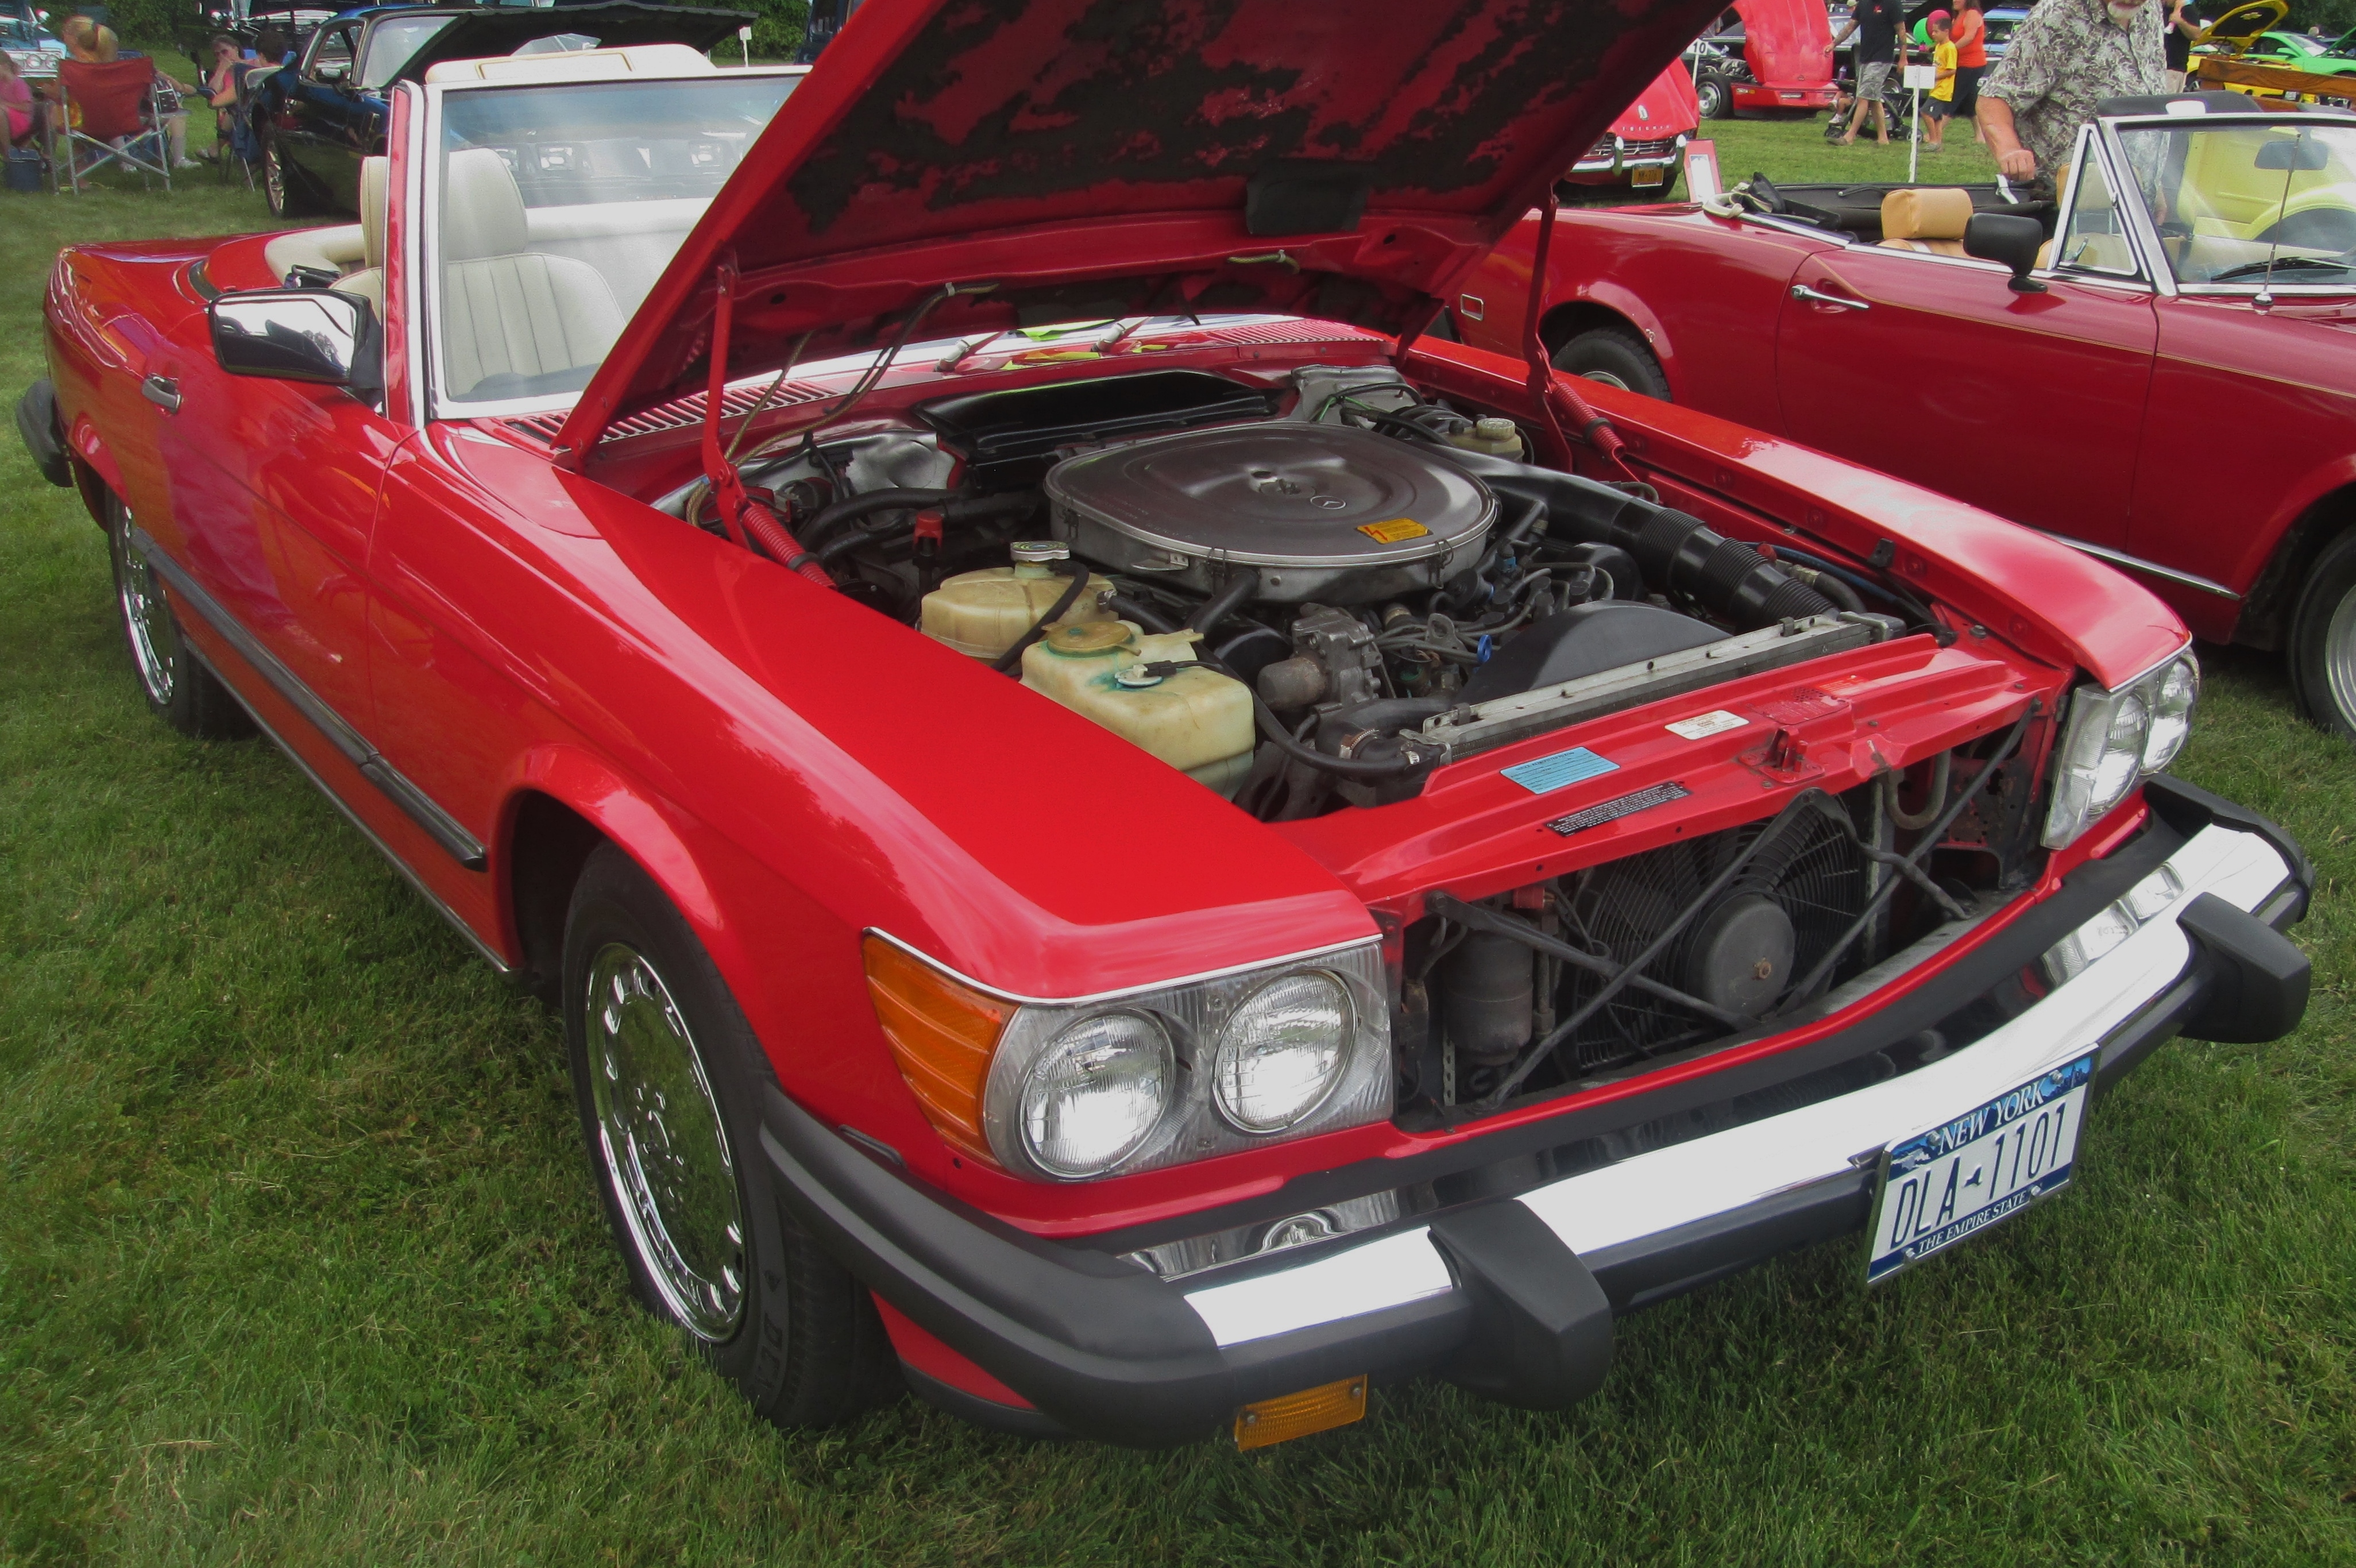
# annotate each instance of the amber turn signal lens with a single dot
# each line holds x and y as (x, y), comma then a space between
(1288, 1417)
(942, 1036)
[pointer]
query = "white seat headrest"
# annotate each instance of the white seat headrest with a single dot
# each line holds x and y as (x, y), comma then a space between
(482, 211)
(376, 175)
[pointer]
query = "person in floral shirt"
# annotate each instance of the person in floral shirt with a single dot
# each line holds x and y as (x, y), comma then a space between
(2065, 58)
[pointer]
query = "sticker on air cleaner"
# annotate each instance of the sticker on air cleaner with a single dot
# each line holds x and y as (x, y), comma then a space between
(1397, 530)
(1547, 773)
(1612, 810)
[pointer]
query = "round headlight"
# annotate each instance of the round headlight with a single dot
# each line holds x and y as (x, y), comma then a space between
(2171, 713)
(1095, 1094)
(1282, 1052)
(2121, 762)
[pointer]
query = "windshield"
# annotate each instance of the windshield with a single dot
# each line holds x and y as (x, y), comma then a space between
(393, 44)
(560, 206)
(2229, 198)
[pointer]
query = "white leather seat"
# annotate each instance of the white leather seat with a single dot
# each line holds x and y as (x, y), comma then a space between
(508, 309)
(368, 281)
(1931, 220)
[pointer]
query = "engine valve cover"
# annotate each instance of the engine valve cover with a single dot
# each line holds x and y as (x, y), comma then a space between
(1323, 511)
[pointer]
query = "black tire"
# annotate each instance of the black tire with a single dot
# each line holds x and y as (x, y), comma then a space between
(1717, 97)
(1617, 357)
(282, 187)
(804, 1344)
(178, 688)
(2323, 640)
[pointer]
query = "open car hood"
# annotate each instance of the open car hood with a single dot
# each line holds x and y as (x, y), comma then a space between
(499, 30)
(1081, 159)
(1789, 43)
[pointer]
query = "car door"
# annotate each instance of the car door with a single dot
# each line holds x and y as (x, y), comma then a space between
(273, 489)
(1933, 369)
(315, 128)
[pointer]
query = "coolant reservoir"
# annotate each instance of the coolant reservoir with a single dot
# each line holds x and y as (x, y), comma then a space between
(1194, 720)
(985, 613)
(1497, 437)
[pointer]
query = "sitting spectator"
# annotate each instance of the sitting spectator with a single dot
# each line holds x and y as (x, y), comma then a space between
(220, 88)
(17, 102)
(80, 36)
(104, 47)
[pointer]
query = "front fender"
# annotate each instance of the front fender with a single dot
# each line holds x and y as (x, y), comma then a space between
(1624, 301)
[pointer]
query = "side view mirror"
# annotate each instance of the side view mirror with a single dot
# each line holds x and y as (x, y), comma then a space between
(2011, 241)
(298, 335)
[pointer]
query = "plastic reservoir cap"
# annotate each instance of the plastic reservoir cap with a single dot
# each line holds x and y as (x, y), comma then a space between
(1494, 429)
(1030, 550)
(1087, 637)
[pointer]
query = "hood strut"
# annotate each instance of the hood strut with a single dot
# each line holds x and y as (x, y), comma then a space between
(1557, 400)
(739, 512)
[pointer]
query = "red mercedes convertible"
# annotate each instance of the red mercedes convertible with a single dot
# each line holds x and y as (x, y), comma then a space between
(1121, 836)
(2157, 373)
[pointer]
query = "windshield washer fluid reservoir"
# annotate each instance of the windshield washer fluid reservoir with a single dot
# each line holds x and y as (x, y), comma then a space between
(1195, 721)
(985, 613)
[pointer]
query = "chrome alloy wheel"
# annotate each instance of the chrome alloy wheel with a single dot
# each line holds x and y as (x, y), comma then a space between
(155, 641)
(2340, 655)
(660, 1134)
(274, 179)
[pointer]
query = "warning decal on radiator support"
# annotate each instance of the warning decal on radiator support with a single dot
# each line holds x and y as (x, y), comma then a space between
(1612, 810)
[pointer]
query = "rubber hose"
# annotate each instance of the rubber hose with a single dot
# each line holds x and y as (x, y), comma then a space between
(1221, 605)
(850, 509)
(1833, 588)
(1917, 821)
(1078, 572)
(1283, 739)
(1676, 551)
(959, 512)
(1152, 621)
(1382, 714)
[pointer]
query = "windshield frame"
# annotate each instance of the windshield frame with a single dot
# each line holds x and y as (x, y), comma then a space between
(2146, 231)
(423, 297)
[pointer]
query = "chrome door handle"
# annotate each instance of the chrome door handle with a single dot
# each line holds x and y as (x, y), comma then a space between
(1802, 291)
(163, 392)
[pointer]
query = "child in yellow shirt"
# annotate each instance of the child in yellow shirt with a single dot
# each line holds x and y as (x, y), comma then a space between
(1942, 102)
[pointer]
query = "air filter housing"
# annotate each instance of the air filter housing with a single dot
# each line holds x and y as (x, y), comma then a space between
(1322, 511)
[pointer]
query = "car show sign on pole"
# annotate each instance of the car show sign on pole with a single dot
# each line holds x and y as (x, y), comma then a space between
(1918, 77)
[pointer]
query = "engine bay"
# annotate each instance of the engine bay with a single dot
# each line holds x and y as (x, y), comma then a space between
(1307, 596)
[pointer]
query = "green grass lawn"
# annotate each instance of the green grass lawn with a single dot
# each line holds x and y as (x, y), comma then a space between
(300, 1260)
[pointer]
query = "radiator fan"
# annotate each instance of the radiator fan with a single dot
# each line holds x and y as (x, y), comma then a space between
(1771, 926)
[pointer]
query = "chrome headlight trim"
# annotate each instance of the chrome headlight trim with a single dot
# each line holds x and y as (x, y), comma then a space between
(2115, 739)
(1194, 1015)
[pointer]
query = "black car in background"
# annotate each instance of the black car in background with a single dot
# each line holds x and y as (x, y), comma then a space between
(319, 117)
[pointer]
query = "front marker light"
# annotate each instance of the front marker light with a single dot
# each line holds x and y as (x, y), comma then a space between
(2112, 739)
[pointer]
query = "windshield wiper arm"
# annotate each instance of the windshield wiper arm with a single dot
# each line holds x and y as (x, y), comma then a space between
(2282, 264)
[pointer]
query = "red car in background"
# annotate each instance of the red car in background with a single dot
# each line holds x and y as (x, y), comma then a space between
(1776, 59)
(1119, 836)
(1643, 153)
(2167, 387)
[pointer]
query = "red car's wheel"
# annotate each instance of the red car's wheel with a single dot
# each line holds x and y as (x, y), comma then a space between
(2323, 640)
(665, 1070)
(1617, 357)
(179, 690)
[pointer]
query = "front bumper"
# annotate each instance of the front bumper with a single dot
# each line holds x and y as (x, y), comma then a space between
(1514, 1295)
(1615, 156)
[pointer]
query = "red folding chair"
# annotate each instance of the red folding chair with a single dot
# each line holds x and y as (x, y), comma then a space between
(112, 108)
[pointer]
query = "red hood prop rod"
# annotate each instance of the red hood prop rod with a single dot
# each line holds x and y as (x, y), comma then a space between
(1557, 398)
(739, 512)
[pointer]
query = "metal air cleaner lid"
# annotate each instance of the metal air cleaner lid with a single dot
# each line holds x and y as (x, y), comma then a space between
(1285, 493)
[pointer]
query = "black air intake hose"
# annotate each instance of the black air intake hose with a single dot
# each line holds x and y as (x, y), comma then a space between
(1678, 553)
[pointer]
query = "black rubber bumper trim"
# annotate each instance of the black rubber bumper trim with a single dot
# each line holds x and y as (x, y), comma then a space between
(36, 424)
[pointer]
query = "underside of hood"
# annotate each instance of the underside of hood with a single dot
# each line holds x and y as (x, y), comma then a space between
(1077, 159)
(1788, 43)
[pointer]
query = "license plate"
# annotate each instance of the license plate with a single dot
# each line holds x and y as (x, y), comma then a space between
(1986, 1164)
(1647, 175)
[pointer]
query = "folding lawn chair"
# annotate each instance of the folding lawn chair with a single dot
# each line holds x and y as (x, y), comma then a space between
(240, 143)
(116, 108)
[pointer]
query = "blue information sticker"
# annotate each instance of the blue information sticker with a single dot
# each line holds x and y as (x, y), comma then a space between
(1564, 768)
